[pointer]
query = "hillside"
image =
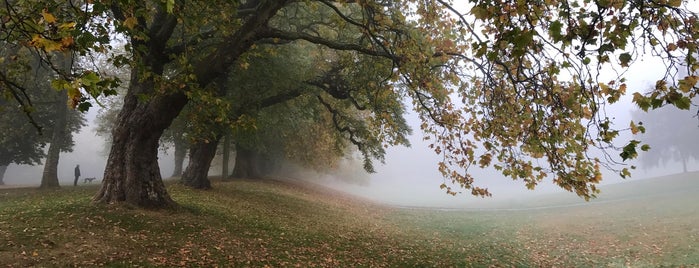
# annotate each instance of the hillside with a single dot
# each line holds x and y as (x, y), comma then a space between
(670, 186)
(269, 223)
(241, 223)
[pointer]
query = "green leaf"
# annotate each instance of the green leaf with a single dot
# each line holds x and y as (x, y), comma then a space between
(629, 151)
(84, 106)
(60, 84)
(90, 79)
(683, 103)
(656, 103)
(625, 58)
(480, 12)
(170, 6)
(625, 173)
(555, 30)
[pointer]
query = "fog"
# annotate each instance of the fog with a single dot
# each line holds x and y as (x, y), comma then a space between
(408, 178)
(89, 152)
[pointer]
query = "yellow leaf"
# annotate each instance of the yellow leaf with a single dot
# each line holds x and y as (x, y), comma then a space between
(130, 22)
(67, 26)
(48, 18)
(74, 97)
(634, 128)
(622, 88)
(688, 83)
(46, 44)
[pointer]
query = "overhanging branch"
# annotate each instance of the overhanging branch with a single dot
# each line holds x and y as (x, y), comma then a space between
(335, 113)
(293, 36)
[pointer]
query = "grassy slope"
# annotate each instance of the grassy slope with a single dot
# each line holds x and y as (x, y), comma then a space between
(246, 223)
(240, 223)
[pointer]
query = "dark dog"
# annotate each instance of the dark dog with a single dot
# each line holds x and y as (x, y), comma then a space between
(86, 180)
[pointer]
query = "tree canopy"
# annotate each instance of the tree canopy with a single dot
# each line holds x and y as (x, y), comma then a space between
(519, 86)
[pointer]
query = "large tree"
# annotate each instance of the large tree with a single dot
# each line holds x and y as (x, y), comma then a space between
(345, 93)
(528, 73)
(64, 123)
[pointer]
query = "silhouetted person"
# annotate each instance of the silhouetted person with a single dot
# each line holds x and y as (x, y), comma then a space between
(77, 175)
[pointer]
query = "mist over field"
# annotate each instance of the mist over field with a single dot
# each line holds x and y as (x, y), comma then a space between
(409, 176)
(90, 152)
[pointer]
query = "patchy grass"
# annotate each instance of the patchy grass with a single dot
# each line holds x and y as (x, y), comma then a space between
(277, 224)
(241, 223)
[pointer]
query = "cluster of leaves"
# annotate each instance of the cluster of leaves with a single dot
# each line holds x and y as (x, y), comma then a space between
(343, 98)
(351, 86)
(531, 85)
(54, 31)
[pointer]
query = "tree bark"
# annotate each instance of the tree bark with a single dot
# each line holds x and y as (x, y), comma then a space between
(49, 179)
(246, 164)
(180, 154)
(200, 156)
(226, 156)
(132, 174)
(2, 174)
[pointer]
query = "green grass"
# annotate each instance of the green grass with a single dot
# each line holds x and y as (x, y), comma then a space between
(276, 224)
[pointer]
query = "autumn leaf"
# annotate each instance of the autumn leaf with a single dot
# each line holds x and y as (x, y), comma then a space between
(45, 44)
(688, 83)
(480, 13)
(48, 17)
(130, 22)
(67, 41)
(674, 3)
(671, 47)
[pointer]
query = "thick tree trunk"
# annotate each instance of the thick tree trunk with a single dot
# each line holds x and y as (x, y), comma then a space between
(2, 174)
(246, 164)
(132, 174)
(226, 156)
(49, 179)
(197, 173)
(180, 154)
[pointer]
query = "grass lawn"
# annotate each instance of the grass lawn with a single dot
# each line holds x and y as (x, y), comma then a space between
(268, 223)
